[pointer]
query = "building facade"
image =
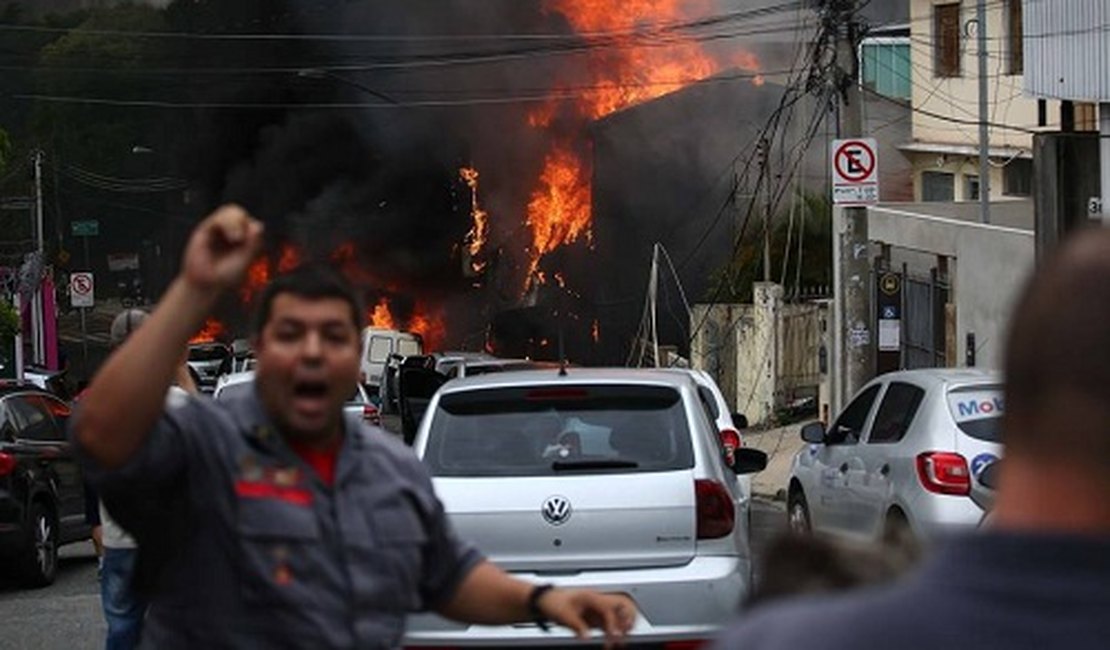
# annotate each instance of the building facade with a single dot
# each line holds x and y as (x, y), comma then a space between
(945, 97)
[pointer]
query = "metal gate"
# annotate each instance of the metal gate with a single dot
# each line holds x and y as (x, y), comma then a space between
(924, 319)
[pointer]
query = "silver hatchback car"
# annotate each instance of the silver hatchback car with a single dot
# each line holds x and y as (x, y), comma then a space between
(900, 460)
(608, 479)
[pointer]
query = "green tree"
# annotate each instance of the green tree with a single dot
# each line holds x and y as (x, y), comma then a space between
(733, 281)
(99, 137)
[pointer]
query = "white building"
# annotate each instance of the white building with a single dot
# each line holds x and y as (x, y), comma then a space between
(945, 97)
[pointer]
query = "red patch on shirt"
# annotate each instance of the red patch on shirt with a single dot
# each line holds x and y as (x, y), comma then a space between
(265, 490)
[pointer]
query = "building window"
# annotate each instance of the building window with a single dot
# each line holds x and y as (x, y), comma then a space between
(1015, 50)
(946, 40)
(1017, 178)
(938, 187)
(971, 188)
(886, 68)
(1086, 116)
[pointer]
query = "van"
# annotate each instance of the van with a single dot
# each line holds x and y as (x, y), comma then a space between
(377, 345)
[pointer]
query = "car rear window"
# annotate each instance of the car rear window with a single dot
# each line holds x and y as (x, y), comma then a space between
(208, 354)
(556, 430)
(977, 410)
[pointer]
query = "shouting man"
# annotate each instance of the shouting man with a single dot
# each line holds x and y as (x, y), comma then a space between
(272, 521)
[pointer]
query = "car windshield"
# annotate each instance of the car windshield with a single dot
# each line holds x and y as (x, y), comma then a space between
(548, 430)
(977, 410)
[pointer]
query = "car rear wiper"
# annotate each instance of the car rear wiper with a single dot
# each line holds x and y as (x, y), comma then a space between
(597, 463)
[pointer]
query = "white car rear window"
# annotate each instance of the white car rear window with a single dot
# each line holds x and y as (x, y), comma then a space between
(553, 430)
(977, 410)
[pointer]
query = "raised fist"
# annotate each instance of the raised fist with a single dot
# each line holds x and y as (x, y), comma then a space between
(221, 248)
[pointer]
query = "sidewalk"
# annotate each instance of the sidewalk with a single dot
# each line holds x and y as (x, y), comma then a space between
(780, 444)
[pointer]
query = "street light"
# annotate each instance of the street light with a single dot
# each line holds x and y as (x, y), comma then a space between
(318, 73)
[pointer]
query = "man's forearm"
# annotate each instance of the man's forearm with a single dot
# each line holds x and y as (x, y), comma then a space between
(126, 396)
(489, 596)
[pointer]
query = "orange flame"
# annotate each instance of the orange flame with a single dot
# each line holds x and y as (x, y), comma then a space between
(431, 326)
(559, 212)
(258, 276)
(626, 69)
(595, 331)
(381, 316)
(479, 232)
(290, 259)
(212, 329)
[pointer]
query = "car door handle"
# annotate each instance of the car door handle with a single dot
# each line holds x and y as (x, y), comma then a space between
(885, 470)
(844, 468)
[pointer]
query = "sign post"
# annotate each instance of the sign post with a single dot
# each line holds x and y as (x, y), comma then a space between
(855, 170)
(82, 296)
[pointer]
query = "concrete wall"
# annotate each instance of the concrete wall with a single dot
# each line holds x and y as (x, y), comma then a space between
(988, 266)
(762, 355)
(958, 97)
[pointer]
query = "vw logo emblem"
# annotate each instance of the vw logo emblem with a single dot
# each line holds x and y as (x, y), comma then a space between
(556, 510)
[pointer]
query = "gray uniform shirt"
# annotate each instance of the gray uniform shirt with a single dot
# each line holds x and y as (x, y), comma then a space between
(988, 591)
(242, 545)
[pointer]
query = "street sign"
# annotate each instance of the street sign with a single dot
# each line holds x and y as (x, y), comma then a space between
(81, 289)
(87, 228)
(855, 171)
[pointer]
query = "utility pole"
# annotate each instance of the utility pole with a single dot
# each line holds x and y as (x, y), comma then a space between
(764, 151)
(857, 350)
(37, 325)
(984, 131)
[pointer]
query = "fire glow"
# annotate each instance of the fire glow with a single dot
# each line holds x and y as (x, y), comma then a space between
(479, 232)
(625, 69)
(212, 330)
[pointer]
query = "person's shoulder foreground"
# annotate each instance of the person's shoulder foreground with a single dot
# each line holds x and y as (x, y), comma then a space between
(997, 590)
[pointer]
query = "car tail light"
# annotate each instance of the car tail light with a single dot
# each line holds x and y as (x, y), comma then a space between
(7, 464)
(716, 513)
(685, 645)
(944, 473)
(730, 439)
(370, 414)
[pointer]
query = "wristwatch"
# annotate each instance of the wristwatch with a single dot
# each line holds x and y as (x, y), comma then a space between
(534, 606)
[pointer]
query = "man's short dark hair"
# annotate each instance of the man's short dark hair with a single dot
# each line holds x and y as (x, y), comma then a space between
(1058, 355)
(313, 281)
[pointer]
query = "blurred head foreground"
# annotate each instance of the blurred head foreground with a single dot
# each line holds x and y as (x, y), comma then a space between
(125, 322)
(1056, 427)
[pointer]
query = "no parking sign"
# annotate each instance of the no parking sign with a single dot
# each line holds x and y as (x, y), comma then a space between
(81, 293)
(855, 171)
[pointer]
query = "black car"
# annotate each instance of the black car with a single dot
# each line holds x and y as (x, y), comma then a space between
(42, 494)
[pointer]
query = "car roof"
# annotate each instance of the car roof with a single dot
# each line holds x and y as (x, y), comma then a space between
(573, 376)
(950, 377)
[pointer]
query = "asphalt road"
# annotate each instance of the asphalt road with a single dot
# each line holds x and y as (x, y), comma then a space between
(67, 614)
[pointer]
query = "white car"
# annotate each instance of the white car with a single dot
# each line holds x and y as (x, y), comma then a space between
(612, 479)
(358, 404)
(901, 458)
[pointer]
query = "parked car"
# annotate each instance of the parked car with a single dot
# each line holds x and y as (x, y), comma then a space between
(238, 383)
(729, 424)
(377, 345)
(52, 381)
(209, 361)
(900, 459)
(42, 493)
(612, 479)
(419, 377)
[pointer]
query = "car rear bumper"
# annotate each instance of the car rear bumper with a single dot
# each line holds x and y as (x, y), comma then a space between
(13, 537)
(675, 603)
(936, 516)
